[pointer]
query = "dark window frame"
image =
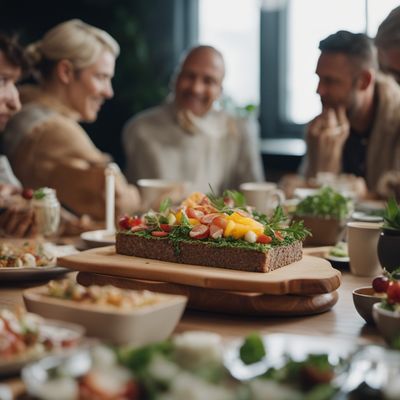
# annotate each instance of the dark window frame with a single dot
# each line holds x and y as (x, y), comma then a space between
(273, 60)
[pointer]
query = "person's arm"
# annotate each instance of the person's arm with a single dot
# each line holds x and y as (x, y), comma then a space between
(325, 138)
(59, 154)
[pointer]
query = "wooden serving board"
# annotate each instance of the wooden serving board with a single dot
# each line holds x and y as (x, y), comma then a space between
(310, 276)
(238, 303)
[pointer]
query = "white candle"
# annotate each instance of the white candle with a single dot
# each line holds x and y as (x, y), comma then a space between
(110, 172)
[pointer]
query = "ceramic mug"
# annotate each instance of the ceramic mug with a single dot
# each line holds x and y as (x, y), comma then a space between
(154, 191)
(362, 240)
(263, 196)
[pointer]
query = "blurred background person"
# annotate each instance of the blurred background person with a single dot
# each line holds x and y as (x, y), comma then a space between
(14, 220)
(187, 138)
(387, 41)
(358, 131)
(74, 64)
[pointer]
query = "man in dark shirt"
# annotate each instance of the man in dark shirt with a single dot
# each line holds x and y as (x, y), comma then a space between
(358, 130)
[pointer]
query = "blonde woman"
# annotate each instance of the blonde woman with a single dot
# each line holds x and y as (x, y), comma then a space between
(73, 64)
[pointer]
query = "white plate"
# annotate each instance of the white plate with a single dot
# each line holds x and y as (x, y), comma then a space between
(365, 217)
(59, 329)
(98, 238)
(32, 273)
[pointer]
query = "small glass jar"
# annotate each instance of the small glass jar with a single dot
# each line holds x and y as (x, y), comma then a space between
(47, 211)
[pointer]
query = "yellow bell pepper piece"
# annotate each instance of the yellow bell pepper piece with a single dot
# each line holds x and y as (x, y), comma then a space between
(229, 228)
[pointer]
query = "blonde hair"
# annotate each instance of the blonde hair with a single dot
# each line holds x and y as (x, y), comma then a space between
(73, 40)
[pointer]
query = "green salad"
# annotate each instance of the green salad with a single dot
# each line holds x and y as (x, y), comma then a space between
(325, 203)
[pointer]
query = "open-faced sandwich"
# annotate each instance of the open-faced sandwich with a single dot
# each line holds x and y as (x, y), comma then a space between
(211, 231)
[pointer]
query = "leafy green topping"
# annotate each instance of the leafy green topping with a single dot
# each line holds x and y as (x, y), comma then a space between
(39, 194)
(391, 215)
(278, 223)
(165, 205)
(252, 350)
(229, 199)
(325, 203)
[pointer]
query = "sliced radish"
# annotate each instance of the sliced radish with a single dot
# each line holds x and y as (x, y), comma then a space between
(166, 227)
(199, 232)
(215, 231)
(221, 222)
(208, 218)
(192, 213)
(138, 228)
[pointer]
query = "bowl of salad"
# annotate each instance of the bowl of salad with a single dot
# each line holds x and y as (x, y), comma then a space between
(324, 214)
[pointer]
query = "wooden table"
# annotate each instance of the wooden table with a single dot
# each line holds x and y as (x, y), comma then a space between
(342, 321)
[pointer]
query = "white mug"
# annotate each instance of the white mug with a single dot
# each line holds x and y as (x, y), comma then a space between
(154, 191)
(263, 196)
(362, 240)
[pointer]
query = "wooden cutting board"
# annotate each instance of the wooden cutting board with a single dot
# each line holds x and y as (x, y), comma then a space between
(310, 276)
(214, 300)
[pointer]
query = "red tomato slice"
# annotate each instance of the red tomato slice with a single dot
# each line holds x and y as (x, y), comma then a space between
(166, 227)
(216, 231)
(192, 213)
(264, 239)
(159, 233)
(199, 232)
(221, 222)
(208, 218)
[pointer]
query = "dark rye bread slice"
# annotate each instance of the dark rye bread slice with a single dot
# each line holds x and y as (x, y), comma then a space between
(198, 253)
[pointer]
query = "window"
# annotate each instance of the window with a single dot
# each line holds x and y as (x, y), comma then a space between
(233, 27)
(304, 34)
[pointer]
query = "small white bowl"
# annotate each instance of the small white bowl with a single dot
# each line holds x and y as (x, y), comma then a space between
(138, 326)
(388, 322)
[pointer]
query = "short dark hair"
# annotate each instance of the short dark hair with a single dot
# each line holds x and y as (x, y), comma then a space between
(13, 52)
(357, 46)
(388, 34)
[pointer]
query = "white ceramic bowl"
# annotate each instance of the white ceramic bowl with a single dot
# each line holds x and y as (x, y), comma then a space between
(138, 326)
(388, 322)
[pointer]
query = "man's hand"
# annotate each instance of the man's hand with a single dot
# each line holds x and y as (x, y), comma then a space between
(326, 135)
(18, 222)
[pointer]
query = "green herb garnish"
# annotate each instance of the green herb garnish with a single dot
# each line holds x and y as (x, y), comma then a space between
(165, 205)
(39, 194)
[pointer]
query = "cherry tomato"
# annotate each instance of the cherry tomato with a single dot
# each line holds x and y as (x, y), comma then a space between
(196, 214)
(199, 232)
(216, 231)
(159, 233)
(264, 239)
(220, 221)
(393, 292)
(124, 222)
(380, 284)
(166, 227)
(209, 218)
(127, 222)
(27, 193)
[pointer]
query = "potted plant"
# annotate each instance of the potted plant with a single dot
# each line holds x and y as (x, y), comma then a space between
(389, 239)
(324, 214)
